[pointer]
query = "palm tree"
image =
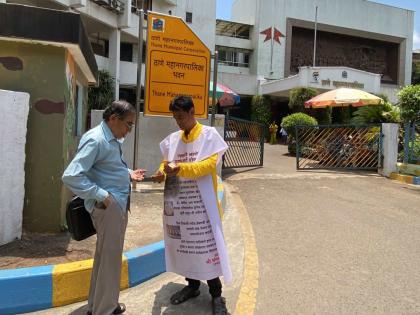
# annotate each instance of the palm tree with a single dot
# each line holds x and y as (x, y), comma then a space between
(375, 114)
(386, 113)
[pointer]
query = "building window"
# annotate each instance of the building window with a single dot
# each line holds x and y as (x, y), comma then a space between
(233, 58)
(188, 17)
(100, 47)
(246, 60)
(128, 94)
(136, 5)
(126, 52)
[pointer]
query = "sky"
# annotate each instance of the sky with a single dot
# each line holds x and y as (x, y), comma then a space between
(223, 8)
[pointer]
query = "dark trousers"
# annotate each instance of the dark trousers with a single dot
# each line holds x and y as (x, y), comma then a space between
(215, 286)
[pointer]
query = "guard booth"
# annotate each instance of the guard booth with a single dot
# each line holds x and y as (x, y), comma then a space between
(46, 53)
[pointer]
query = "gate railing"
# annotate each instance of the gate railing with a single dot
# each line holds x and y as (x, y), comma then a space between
(412, 143)
(339, 147)
(246, 143)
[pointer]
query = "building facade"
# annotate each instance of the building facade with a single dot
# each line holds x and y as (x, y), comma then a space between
(267, 40)
(359, 34)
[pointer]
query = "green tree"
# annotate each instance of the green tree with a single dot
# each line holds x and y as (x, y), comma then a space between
(385, 113)
(342, 114)
(409, 101)
(261, 110)
(99, 97)
(322, 115)
(298, 97)
(415, 73)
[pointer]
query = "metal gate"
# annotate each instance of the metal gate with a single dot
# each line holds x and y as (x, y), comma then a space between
(339, 147)
(246, 143)
(412, 143)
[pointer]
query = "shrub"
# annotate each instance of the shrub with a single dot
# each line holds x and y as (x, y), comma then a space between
(409, 98)
(301, 119)
(290, 122)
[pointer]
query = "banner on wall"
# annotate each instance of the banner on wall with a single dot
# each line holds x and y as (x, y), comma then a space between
(178, 63)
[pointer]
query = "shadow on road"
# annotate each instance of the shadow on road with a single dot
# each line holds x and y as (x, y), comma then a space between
(200, 305)
(226, 173)
(80, 311)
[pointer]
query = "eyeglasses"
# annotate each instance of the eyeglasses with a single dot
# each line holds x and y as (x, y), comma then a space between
(128, 124)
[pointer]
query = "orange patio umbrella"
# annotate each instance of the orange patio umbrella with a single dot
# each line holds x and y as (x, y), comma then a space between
(343, 97)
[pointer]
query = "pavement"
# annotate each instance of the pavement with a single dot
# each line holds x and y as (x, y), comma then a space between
(152, 296)
(40, 249)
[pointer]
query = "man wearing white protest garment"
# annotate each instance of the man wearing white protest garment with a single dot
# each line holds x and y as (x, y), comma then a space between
(194, 242)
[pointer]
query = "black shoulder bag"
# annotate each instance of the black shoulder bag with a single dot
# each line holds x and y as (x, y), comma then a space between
(78, 219)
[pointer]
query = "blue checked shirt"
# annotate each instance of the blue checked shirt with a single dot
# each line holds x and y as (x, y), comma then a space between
(98, 169)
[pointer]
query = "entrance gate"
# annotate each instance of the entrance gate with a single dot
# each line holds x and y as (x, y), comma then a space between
(246, 143)
(412, 143)
(338, 147)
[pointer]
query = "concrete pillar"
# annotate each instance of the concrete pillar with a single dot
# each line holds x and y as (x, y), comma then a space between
(260, 80)
(390, 149)
(114, 59)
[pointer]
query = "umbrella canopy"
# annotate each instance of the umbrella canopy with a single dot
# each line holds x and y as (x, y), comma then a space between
(343, 97)
(224, 95)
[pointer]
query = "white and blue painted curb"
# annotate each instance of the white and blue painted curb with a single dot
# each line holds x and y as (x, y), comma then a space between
(37, 288)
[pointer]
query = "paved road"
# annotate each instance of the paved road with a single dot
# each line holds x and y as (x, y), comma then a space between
(332, 243)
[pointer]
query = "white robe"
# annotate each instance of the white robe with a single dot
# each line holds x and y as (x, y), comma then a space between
(194, 242)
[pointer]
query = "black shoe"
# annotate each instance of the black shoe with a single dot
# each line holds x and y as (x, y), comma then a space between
(183, 295)
(118, 310)
(219, 306)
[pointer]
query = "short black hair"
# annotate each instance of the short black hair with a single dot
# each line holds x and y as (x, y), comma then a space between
(120, 108)
(181, 102)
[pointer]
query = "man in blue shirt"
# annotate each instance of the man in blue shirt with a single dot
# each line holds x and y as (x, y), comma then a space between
(99, 175)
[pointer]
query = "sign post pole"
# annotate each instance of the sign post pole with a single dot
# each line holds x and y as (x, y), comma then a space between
(213, 98)
(138, 94)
